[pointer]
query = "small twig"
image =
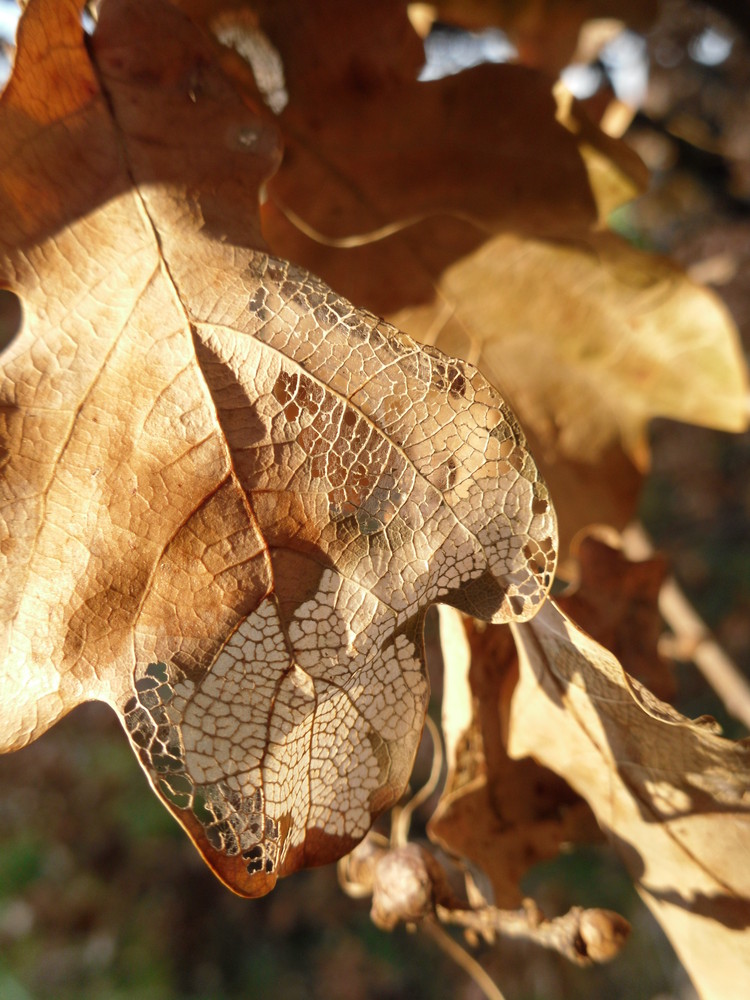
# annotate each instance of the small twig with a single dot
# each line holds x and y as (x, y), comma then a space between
(718, 669)
(583, 936)
(693, 636)
(462, 957)
(401, 815)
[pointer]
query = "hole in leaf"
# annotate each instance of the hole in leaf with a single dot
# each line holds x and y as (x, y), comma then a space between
(89, 16)
(9, 16)
(202, 809)
(237, 30)
(11, 316)
(162, 763)
(178, 789)
(158, 671)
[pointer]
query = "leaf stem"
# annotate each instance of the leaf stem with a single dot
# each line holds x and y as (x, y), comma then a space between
(401, 817)
(461, 957)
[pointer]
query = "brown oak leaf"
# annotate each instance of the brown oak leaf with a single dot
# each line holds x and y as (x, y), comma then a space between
(228, 495)
(367, 145)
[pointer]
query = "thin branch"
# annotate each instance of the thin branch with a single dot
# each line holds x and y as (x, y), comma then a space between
(582, 936)
(694, 640)
(401, 816)
(462, 957)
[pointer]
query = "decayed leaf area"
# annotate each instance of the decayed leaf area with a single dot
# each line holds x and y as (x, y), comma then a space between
(229, 495)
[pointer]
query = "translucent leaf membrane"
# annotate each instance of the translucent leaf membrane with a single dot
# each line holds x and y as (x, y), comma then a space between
(229, 496)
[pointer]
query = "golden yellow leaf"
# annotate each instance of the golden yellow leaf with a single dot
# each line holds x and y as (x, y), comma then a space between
(670, 794)
(589, 340)
(228, 496)
(616, 173)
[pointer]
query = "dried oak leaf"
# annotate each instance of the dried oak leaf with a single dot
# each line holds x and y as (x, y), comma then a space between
(619, 336)
(228, 496)
(670, 794)
(367, 145)
(502, 814)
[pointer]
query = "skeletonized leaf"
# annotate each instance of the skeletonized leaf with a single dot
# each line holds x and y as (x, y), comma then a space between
(228, 496)
(671, 795)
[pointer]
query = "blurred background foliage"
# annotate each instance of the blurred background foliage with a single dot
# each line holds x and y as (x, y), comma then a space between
(102, 897)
